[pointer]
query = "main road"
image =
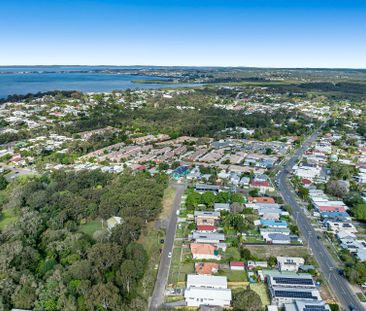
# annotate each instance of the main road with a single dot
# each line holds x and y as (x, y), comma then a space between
(339, 285)
(157, 298)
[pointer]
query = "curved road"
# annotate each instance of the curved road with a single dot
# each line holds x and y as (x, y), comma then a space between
(340, 286)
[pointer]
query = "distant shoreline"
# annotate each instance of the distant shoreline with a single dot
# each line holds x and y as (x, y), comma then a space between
(157, 82)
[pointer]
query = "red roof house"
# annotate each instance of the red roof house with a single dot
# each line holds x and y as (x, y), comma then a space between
(206, 228)
(237, 265)
(260, 183)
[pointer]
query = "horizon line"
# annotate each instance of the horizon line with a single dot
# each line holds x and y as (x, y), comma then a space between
(183, 66)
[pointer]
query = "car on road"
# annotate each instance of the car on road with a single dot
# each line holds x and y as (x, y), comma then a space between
(170, 255)
(351, 308)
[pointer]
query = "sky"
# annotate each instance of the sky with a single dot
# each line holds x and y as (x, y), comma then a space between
(252, 33)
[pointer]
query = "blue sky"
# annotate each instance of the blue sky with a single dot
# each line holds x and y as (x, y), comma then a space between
(263, 33)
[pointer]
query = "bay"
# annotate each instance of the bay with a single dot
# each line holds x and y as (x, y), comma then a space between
(24, 80)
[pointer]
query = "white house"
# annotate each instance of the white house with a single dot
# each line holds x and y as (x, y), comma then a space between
(209, 238)
(207, 290)
(237, 265)
(304, 305)
(289, 263)
(113, 221)
(218, 207)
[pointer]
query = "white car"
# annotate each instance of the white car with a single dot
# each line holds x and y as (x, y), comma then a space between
(170, 255)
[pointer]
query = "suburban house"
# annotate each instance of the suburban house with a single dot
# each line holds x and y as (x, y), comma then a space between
(237, 265)
(266, 231)
(218, 207)
(206, 268)
(289, 263)
(272, 223)
(335, 216)
(288, 287)
(244, 181)
(204, 188)
(361, 254)
(304, 305)
(208, 238)
(113, 221)
(270, 213)
(256, 264)
(204, 251)
(206, 218)
(206, 228)
(278, 238)
(268, 200)
(207, 290)
(337, 226)
(263, 186)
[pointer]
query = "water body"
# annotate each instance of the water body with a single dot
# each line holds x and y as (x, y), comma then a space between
(24, 80)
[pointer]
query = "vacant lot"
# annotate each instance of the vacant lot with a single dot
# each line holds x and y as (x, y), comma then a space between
(265, 251)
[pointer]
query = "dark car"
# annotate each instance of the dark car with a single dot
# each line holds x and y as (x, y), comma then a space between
(351, 308)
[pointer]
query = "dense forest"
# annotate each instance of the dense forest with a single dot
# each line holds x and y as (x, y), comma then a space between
(206, 121)
(48, 263)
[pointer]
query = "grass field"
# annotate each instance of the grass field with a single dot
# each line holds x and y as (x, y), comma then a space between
(7, 217)
(261, 290)
(266, 251)
(150, 239)
(90, 227)
(168, 199)
(234, 276)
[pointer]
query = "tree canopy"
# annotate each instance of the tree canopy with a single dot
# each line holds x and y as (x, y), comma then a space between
(48, 263)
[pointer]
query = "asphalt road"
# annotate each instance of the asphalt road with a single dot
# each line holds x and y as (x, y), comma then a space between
(157, 298)
(339, 285)
(15, 171)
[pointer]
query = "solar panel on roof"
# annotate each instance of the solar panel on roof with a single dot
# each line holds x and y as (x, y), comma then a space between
(314, 308)
(288, 294)
(283, 280)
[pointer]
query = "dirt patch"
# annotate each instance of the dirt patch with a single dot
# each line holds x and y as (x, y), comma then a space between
(168, 199)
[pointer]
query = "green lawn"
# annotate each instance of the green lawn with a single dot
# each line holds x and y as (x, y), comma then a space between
(90, 227)
(175, 263)
(185, 268)
(234, 276)
(361, 297)
(150, 239)
(261, 290)
(254, 239)
(7, 217)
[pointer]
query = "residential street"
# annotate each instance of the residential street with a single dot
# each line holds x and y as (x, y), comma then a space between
(162, 278)
(339, 285)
